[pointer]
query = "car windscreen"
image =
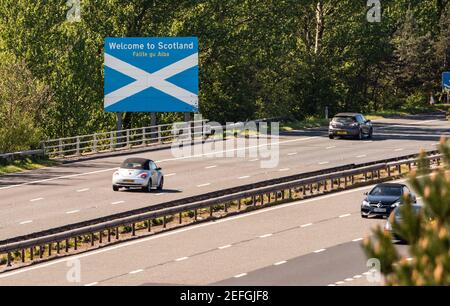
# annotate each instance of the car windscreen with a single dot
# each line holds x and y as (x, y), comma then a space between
(344, 120)
(386, 191)
(132, 165)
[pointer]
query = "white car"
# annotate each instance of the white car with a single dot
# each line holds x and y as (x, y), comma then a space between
(138, 173)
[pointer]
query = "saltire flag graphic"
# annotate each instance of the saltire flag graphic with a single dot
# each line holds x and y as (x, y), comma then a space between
(157, 74)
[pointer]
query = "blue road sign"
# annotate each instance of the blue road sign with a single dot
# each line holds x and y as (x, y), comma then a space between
(446, 80)
(157, 74)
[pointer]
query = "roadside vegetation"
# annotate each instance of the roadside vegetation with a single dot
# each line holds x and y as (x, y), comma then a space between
(24, 164)
(261, 59)
(427, 233)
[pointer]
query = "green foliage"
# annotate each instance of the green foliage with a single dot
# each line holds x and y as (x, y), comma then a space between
(23, 102)
(428, 233)
(265, 58)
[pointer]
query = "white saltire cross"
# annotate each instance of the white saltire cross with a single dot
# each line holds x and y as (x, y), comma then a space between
(146, 80)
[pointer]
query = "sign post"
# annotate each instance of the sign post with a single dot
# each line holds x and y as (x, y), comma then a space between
(151, 74)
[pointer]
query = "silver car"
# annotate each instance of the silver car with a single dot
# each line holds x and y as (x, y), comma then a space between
(138, 173)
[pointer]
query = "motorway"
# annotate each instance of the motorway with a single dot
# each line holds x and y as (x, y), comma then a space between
(50, 197)
(311, 242)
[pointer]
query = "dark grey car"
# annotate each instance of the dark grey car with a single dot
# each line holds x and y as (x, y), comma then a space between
(384, 198)
(350, 125)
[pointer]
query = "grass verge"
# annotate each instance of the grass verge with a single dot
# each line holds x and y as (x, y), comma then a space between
(310, 122)
(25, 164)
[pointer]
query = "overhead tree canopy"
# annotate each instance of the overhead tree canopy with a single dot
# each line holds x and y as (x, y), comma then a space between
(264, 58)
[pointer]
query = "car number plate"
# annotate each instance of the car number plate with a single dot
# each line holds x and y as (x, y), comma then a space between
(379, 209)
(342, 133)
(128, 181)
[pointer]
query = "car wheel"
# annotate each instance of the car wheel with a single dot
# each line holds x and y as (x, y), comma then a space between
(148, 188)
(331, 136)
(364, 216)
(161, 183)
(115, 188)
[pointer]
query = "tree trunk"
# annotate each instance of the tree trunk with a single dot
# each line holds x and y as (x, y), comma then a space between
(320, 24)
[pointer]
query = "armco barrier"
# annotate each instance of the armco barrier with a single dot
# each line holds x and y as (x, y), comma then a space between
(100, 234)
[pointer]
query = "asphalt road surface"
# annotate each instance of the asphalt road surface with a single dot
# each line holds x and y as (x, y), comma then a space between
(50, 197)
(311, 242)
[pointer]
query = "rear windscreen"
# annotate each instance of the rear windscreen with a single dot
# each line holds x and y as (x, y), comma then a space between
(344, 119)
(132, 165)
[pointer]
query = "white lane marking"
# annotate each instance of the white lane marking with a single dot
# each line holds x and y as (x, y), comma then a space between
(332, 285)
(26, 222)
(266, 235)
(118, 202)
(408, 125)
(280, 263)
(170, 174)
(136, 271)
(157, 161)
(181, 259)
(361, 156)
(37, 199)
(83, 190)
(91, 284)
(367, 273)
(224, 247)
(240, 275)
(158, 194)
(324, 163)
(292, 154)
(306, 225)
(243, 177)
(203, 185)
(357, 239)
(416, 135)
(284, 169)
(357, 276)
(182, 230)
(211, 167)
(398, 150)
(72, 212)
(254, 160)
(348, 279)
(320, 251)
(345, 216)
(331, 147)
(339, 283)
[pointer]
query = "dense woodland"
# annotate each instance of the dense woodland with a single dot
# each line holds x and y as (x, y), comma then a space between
(258, 58)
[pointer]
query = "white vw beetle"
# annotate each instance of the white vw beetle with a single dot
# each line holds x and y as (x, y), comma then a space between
(138, 173)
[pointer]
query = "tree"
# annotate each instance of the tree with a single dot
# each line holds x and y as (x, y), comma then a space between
(428, 232)
(23, 104)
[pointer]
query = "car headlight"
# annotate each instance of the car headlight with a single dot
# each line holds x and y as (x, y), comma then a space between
(365, 203)
(395, 204)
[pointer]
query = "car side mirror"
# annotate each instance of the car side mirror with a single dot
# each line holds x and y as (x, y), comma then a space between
(366, 193)
(413, 198)
(158, 169)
